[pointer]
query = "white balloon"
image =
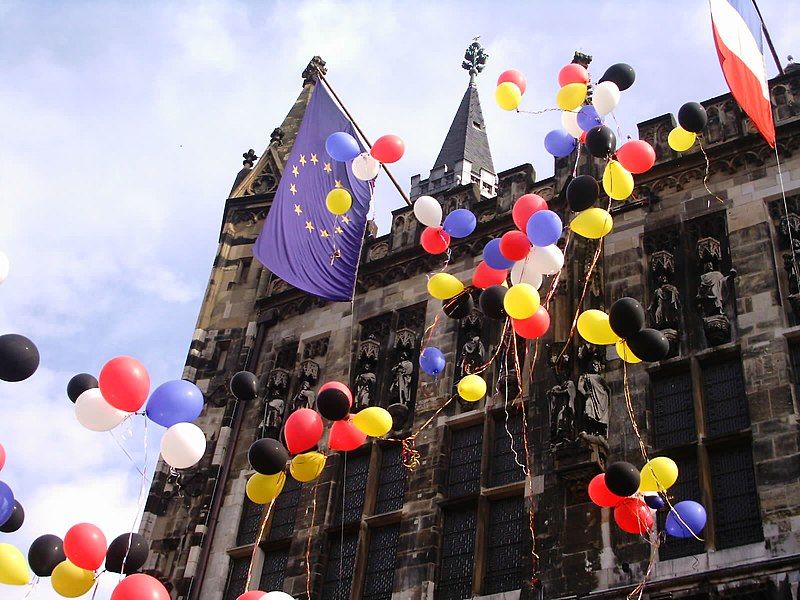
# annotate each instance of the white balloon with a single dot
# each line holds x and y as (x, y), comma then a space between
(605, 97)
(365, 167)
(94, 413)
(547, 260)
(523, 272)
(277, 596)
(569, 121)
(428, 211)
(183, 445)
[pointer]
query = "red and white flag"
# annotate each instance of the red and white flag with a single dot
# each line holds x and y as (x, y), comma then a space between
(737, 35)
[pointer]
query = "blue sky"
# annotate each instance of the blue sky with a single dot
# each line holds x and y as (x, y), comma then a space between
(122, 126)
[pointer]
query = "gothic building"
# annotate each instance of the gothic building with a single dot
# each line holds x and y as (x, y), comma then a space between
(708, 248)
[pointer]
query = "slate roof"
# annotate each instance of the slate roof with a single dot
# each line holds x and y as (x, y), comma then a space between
(467, 136)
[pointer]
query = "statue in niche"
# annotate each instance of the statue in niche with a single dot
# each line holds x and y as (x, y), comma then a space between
(365, 384)
(665, 307)
(790, 234)
(712, 291)
(561, 398)
(305, 396)
(365, 381)
(402, 373)
(593, 390)
(277, 387)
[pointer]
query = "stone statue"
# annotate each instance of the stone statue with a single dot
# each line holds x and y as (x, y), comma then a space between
(665, 308)
(402, 373)
(273, 418)
(712, 291)
(561, 398)
(593, 390)
(364, 385)
(305, 397)
(472, 355)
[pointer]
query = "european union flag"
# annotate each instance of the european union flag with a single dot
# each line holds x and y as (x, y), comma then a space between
(302, 242)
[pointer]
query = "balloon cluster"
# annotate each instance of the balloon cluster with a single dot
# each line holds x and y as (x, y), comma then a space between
(12, 515)
(692, 119)
(510, 88)
(435, 238)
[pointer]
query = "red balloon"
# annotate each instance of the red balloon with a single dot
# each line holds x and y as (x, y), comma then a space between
(633, 516)
(435, 240)
(345, 437)
(572, 73)
(485, 276)
(514, 77)
(145, 587)
(124, 383)
(253, 595)
(582, 139)
(2, 457)
(600, 494)
(534, 327)
(303, 430)
(337, 385)
(515, 245)
(637, 156)
(85, 546)
(524, 207)
(388, 149)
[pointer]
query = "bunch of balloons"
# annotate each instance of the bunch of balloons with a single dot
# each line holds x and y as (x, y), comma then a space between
(436, 236)
(12, 515)
(343, 147)
(692, 119)
(510, 88)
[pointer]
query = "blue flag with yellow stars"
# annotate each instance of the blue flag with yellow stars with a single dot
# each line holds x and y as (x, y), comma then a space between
(302, 242)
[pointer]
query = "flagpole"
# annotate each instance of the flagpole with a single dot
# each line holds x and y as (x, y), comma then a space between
(769, 39)
(361, 133)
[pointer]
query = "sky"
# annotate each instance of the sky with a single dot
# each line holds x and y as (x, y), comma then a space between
(122, 126)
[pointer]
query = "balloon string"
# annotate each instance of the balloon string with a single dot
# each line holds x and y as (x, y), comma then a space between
(540, 112)
(708, 171)
(505, 400)
(308, 542)
(31, 586)
(262, 527)
(409, 454)
(786, 213)
(139, 502)
(130, 458)
(341, 532)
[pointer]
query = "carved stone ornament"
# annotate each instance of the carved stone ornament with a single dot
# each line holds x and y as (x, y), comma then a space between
(309, 371)
(665, 306)
(712, 291)
(405, 339)
(474, 58)
(313, 70)
(593, 391)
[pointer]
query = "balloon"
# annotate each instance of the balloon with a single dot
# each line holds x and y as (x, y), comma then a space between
(622, 478)
(515, 245)
(658, 474)
(85, 546)
(434, 240)
(432, 360)
(605, 97)
(176, 401)
(523, 272)
(573, 73)
(626, 317)
(244, 386)
(307, 467)
(544, 228)
(19, 357)
(571, 96)
(491, 302)
(588, 118)
(428, 211)
(692, 117)
(129, 548)
(2, 457)
(15, 520)
(45, 554)
(493, 256)
(140, 587)
(5, 266)
(600, 494)
(633, 516)
(13, 568)
(267, 456)
(365, 167)
(626, 353)
(303, 429)
(582, 192)
(70, 580)
(637, 156)
(460, 223)
(125, 383)
(472, 388)
(388, 149)
(458, 306)
(345, 436)
(654, 501)
(399, 414)
(681, 140)
(338, 201)
(521, 301)
(277, 596)
(569, 122)
(374, 421)
(617, 181)
(263, 489)
(183, 445)
(342, 146)
(6, 502)
(484, 276)
(547, 260)
(334, 400)
(594, 327)
(524, 207)
(79, 384)
(534, 326)
(508, 96)
(253, 595)
(515, 77)
(592, 223)
(560, 143)
(692, 513)
(94, 413)
(443, 286)
(649, 344)
(621, 74)
(601, 141)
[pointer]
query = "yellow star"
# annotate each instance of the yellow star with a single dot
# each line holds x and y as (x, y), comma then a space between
(337, 183)
(314, 159)
(346, 220)
(339, 230)
(295, 172)
(327, 167)
(309, 226)
(297, 209)
(303, 159)
(324, 233)
(292, 189)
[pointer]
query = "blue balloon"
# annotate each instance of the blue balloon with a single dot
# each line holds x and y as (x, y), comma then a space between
(692, 513)
(6, 503)
(654, 501)
(460, 223)
(494, 258)
(559, 143)
(342, 146)
(432, 360)
(544, 228)
(173, 402)
(588, 118)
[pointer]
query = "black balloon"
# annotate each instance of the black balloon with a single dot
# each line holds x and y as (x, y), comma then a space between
(601, 141)
(626, 317)
(491, 302)
(650, 345)
(45, 554)
(582, 192)
(333, 404)
(136, 555)
(15, 521)
(622, 478)
(459, 306)
(244, 386)
(19, 357)
(692, 117)
(621, 74)
(79, 384)
(268, 456)
(399, 413)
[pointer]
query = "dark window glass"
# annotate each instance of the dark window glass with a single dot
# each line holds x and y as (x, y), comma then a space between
(725, 398)
(339, 569)
(673, 410)
(249, 523)
(237, 577)
(354, 488)
(274, 569)
(464, 473)
(379, 577)
(505, 545)
(457, 560)
(794, 350)
(504, 468)
(737, 517)
(686, 488)
(283, 513)
(392, 482)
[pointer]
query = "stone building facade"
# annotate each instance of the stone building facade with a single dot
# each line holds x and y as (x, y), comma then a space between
(713, 263)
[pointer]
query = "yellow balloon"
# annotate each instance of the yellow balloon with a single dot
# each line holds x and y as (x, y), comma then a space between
(472, 388)
(263, 489)
(617, 181)
(307, 467)
(338, 201)
(571, 96)
(658, 474)
(521, 301)
(71, 581)
(594, 327)
(13, 566)
(508, 95)
(444, 286)
(681, 140)
(592, 223)
(374, 421)
(626, 353)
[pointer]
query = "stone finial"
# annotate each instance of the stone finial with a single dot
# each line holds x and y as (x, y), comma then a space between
(474, 59)
(582, 59)
(250, 159)
(276, 137)
(312, 72)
